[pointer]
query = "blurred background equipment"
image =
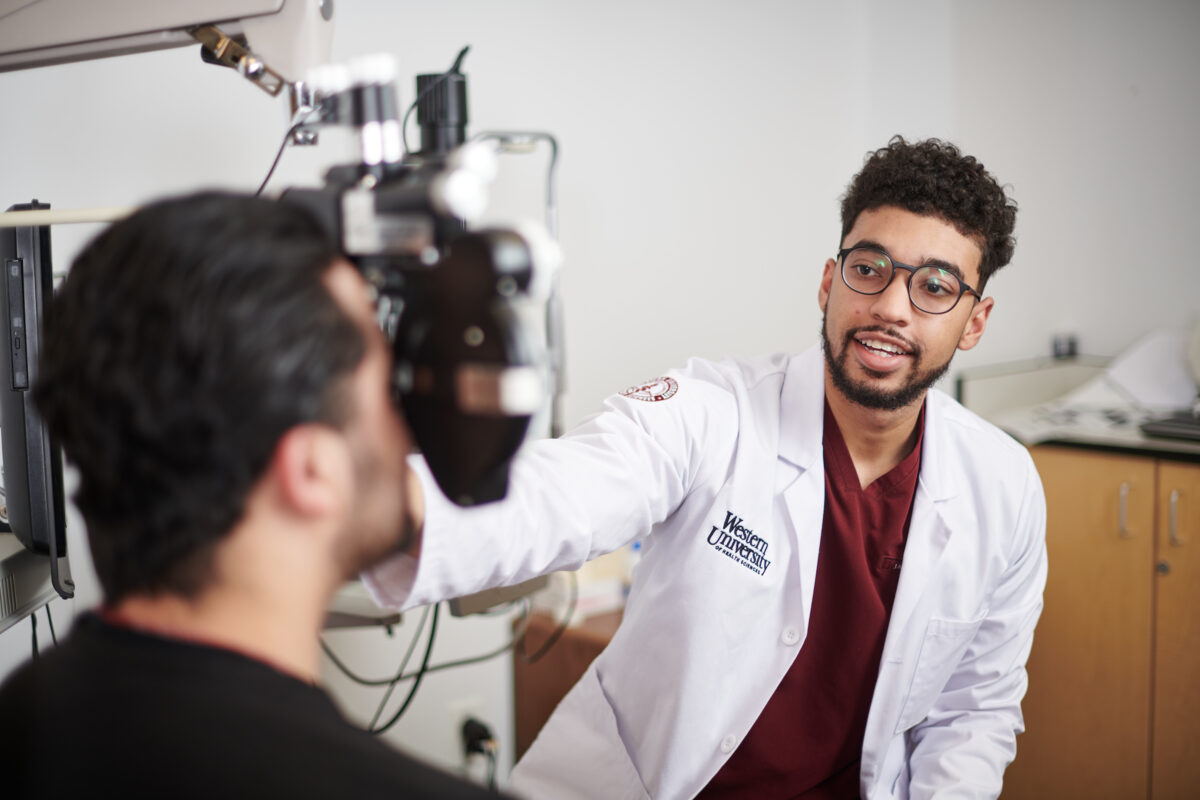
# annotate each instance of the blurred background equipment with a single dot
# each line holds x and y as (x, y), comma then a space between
(459, 305)
(467, 312)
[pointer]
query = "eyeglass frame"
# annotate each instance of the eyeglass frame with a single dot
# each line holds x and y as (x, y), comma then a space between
(910, 269)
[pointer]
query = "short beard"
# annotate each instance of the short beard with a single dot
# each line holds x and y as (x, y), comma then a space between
(373, 534)
(359, 551)
(868, 396)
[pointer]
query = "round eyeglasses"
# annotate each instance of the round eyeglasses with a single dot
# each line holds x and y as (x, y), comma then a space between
(932, 289)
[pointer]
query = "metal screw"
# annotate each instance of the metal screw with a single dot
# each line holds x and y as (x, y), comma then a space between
(303, 137)
(251, 67)
(473, 336)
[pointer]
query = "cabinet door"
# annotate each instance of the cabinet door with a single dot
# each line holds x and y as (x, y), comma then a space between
(1176, 772)
(1087, 711)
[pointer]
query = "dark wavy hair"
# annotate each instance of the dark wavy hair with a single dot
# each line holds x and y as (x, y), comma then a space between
(933, 178)
(186, 340)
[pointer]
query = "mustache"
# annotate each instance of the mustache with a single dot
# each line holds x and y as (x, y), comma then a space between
(891, 333)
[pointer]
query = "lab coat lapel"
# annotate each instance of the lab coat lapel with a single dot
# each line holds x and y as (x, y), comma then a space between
(931, 526)
(802, 470)
(936, 515)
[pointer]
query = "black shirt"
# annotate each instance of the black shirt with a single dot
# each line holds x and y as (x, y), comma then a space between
(120, 713)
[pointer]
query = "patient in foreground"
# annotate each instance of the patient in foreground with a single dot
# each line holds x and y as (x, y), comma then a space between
(213, 370)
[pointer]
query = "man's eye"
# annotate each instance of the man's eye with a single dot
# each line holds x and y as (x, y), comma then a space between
(870, 269)
(939, 287)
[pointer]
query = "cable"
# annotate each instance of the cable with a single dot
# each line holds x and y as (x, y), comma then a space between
(399, 676)
(462, 662)
(516, 644)
(559, 631)
(383, 703)
(298, 120)
(50, 620)
(412, 646)
(417, 681)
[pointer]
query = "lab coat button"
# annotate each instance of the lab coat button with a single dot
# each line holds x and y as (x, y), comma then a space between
(728, 743)
(790, 636)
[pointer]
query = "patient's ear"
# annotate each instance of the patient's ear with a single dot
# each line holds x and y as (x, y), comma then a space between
(313, 469)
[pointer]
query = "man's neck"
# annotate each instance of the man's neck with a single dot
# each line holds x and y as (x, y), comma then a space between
(877, 440)
(282, 632)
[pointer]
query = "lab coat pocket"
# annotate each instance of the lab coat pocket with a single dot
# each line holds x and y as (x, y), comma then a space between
(580, 750)
(944, 643)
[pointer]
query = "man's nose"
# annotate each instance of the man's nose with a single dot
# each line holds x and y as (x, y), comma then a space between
(892, 304)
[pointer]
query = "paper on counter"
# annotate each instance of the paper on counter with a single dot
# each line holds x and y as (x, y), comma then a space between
(1154, 373)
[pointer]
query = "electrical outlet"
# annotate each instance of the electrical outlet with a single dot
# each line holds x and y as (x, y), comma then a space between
(457, 712)
(477, 767)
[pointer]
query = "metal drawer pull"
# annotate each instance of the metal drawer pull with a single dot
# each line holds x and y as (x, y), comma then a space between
(1173, 529)
(1123, 522)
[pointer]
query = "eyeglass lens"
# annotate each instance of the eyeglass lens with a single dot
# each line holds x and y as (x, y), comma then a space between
(931, 289)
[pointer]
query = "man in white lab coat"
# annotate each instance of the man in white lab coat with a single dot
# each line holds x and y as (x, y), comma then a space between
(842, 567)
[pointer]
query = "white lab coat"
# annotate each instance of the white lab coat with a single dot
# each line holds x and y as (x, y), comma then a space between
(707, 636)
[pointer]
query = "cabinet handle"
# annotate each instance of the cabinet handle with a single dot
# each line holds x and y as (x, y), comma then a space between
(1173, 527)
(1123, 521)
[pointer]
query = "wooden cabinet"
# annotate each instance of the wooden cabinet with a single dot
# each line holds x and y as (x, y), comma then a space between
(1175, 759)
(1113, 707)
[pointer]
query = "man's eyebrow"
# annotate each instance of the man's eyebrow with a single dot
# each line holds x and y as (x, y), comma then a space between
(945, 265)
(938, 263)
(871, 244)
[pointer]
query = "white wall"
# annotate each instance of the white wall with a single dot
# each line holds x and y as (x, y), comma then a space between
(705, 145)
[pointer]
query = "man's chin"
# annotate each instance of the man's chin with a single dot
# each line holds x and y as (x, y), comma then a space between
(368, 547)
(886, 377)
(878, 391)
(888, 392)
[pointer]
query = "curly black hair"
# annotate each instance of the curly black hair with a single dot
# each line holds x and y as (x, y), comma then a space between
(186, 340)
(933, 178)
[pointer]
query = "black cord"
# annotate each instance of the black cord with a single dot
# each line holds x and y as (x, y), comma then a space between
(491, 773)
(382, 704)
(559, 631)
(462, 662)
(399, 676)
(517, 643)
(50, 620)
(33, 626)
(287, 137)
(412, 646)
(417, 681)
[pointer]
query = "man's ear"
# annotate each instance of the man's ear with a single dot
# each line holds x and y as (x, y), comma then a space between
(976, 324)
(313, 469)
(826, 284)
